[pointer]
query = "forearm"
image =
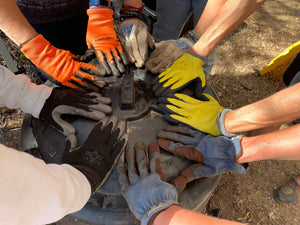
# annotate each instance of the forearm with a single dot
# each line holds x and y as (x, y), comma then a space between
(222, 22)
(14, 24)
(40, 193)
(280, 145)
(279, 108)
(17, 92)
(176, 215)
(132, 3)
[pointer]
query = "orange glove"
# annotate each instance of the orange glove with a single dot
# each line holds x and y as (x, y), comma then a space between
(101, 36)
(61, 65)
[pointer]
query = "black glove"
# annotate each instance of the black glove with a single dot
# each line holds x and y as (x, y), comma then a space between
(73, 102)
(98, 155)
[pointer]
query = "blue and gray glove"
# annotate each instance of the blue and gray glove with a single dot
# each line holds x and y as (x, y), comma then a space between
(212, 155)
(141, 184)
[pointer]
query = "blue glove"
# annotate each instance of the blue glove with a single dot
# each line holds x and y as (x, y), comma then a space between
(213, 155)
(146, 194)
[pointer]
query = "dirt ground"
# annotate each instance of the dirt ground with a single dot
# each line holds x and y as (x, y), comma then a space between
(266, 33)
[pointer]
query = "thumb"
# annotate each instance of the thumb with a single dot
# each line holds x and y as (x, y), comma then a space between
(186, 176)
(184, 151)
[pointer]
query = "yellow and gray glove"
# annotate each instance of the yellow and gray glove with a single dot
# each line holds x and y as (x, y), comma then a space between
(205, 115)
(183, 71)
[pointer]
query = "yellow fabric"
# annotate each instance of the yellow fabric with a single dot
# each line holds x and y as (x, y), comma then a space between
(276, 68)
(201, 115)
(185, 69)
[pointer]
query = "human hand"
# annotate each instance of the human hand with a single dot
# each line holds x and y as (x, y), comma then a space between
(98, 155)
(146, 194)
(62, 66)
(199, 114)
(212, 155)
(102, 38)
(136, 40)
(73, 102)
(165, 53)
(184, 70)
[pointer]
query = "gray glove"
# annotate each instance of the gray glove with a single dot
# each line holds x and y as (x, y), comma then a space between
(165, 53)
(73, 102)
(136, 40)
(146, 194)
(98, 155)
(212, 155)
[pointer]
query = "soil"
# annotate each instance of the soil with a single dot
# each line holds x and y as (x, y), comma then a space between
(245, 198)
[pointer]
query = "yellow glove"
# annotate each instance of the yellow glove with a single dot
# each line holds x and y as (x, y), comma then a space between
(199, 114)
(183, 71)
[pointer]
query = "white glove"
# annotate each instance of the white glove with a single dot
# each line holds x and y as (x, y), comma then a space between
(135, 40)
(165, 53)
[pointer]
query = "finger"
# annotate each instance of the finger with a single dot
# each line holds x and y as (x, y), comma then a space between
(102, 61)
(120, 146)
(186, 176)
(177, 137)
(99, 98)
(129, 53)
(142, 49)
(122, 177)
(117, 133)
(154, 156)
(141, 159)
(117, 60)
(171, 120)
(124, 58)
(184, 151)
(94, 71)
(187, 98)
(111, 63)
(107, 130)
(181, 129)
(131, 165)
(150, 41)
(90, 85)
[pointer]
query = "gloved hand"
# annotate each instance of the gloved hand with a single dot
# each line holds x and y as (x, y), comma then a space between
(134, 35)
(184, 70)
(98, 155)
(73, 102)
(146, 194)
(165, 53)
(199, 114)
(61, 65)
(101, 37)
(212, 155)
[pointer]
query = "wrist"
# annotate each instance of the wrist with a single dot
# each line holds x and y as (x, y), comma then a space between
(164, 216)
(132, 13)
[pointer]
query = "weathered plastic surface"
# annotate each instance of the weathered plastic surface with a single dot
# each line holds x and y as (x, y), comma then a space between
(107, 206)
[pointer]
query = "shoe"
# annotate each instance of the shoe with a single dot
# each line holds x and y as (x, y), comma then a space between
(288, 193)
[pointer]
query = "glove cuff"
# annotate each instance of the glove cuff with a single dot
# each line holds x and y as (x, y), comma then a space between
(202, 58)
(221, 123)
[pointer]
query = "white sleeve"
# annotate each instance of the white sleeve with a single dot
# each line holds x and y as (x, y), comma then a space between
(33, 192)
(17, 92)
